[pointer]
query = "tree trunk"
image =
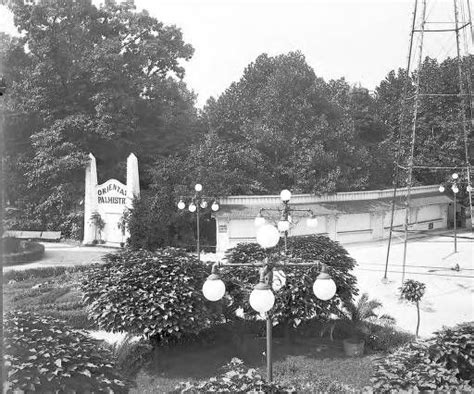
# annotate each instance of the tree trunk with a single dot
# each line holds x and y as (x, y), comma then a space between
(418, 315)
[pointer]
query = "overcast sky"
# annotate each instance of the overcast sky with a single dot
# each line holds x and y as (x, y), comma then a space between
(359, 40)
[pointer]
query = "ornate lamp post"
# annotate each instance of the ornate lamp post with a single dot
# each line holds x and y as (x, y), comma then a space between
(262, 298)
(198, 202)
(455, 189)
(286, 220)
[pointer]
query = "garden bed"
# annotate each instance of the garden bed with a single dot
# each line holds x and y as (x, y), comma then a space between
(17, 251)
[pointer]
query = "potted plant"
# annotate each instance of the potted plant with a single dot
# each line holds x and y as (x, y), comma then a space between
(99, 225)
(123, 224)
(359, 315)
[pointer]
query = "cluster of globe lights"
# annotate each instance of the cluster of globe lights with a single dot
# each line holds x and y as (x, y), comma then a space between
(454, 187)
(262, 298)
(193, 207)
(284, 223)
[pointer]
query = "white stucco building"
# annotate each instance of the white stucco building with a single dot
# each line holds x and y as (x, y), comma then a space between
(344, 217)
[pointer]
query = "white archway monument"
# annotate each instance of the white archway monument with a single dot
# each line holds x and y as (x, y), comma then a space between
(107, 203)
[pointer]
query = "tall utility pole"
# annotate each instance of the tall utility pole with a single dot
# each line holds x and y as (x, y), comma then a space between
(463, 109)
(463, 29)
(3, 89)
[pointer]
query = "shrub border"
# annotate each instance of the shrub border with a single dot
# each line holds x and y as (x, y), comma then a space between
(34, 251)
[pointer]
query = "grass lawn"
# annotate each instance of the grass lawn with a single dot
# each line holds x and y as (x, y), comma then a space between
(307, 360)
(52, 292)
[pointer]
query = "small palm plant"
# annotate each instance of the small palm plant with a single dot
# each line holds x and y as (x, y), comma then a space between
(360, 315)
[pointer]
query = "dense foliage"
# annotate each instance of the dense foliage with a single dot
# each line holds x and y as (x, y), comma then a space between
(235, 379)
(276, 127)
(43, 354)
(157, 295)
(155, 222)
(86, 79)
(439, 138)
(295, 302)
(444, 363)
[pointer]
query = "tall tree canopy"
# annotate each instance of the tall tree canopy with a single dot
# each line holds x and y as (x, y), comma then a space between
(86, 79)
(276, 128)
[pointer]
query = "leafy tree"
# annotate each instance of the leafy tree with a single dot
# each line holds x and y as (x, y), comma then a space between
(280, 109)
(102, 80)
(413, 292)
(295, 302)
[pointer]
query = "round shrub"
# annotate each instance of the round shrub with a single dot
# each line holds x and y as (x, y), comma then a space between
(22, 251)
(295, 302)
(155, 294)
(10, 245)
(442, 363)
(44, 354)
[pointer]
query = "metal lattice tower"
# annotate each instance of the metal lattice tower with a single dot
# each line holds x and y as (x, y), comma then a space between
(463, 35)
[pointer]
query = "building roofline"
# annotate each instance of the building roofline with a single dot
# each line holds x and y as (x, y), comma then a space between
(332, 197)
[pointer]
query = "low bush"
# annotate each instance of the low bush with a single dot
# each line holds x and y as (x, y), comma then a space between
(236, 378)
(454, 347)
(156, 294)
(43, 353)
(386, 338)
(27, 251)
(10, 245)
(444, 362)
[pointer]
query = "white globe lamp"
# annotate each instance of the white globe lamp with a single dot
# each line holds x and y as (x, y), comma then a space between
(198, 187)
(213, 288)
(312, 222)
(455, 176)
(441, 189)
(262, 298)
(324, 287)
(259, 221)
(181, 204)
(215, 206)
(192, 207)
(267, 236)
(203, 204)
(283, 225)
(285, 195)
(455, 189)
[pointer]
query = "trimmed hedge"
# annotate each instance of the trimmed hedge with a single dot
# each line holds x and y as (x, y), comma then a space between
(44, 354)
(28, 251)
